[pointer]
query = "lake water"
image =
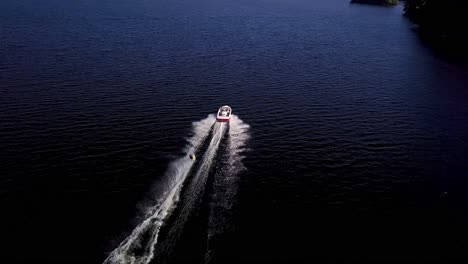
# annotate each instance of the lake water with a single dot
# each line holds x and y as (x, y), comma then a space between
(350, 140)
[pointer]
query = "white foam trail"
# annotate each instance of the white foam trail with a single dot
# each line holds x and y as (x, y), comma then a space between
(138, 247)
(226, 182)
(194, 190)
(202, 173)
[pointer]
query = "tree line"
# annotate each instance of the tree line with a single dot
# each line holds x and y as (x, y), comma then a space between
(442, 21)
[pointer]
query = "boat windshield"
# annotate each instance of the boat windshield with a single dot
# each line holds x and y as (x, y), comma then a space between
(224, 111)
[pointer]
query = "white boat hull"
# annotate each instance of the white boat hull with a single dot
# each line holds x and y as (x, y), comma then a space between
(224, 114)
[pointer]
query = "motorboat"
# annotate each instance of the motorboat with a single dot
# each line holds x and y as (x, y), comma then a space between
(224, 114)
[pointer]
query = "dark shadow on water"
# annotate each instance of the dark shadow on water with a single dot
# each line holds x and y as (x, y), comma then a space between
(447, 48)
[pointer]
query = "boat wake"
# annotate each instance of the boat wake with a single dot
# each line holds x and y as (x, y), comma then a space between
(194, 194)
(226, 183)
(141, 246)
(138, 247)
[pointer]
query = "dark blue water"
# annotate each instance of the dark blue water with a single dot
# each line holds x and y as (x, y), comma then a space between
(358, 139)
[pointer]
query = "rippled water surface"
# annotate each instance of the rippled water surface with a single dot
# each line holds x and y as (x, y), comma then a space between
(352, 141)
